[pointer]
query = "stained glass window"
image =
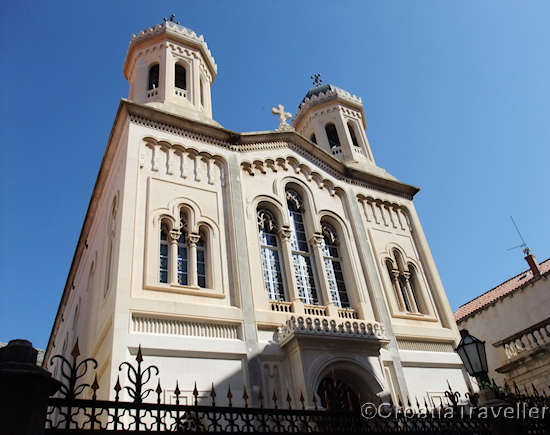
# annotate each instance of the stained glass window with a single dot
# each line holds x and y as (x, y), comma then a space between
(183, 251)
(303, 267)
(163, 254)
(271, 255)
(201, 262)
(335, 275)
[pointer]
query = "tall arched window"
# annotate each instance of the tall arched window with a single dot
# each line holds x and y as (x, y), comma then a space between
(403, 289)
(153, 81)
(271, 255)
(180, 76)
(201, 260)
(332, 135)
(352, 134)
(202, 92)
(301, 255)
(333, 267)
(415, 288)
(164, 254)
(183, 253)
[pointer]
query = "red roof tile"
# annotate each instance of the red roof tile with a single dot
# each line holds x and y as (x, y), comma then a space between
(499, 291)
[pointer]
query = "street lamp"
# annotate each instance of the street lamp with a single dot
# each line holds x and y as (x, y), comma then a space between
(472, 353)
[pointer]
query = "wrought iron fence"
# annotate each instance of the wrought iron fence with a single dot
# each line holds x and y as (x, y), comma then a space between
(146, 412)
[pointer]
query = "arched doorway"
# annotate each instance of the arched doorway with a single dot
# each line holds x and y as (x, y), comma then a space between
(345, 386)
(337, 395)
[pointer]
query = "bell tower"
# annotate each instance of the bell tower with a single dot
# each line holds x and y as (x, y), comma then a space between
(334, 120)
(171, 68)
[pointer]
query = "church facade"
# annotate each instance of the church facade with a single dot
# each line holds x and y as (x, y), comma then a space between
(271, 260)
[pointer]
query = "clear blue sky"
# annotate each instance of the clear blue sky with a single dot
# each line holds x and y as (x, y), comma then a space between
(456, 96)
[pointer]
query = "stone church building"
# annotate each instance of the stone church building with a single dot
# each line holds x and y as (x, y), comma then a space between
(274, 260)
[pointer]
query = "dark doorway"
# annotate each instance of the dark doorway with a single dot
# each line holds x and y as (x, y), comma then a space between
(337, 395)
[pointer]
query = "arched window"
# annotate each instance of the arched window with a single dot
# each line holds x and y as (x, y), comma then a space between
(332, 135)
(180, 76)
(335, 276)
(202, 93)
(183, 252)
(415, 288)
(405, 283)
(201, 260)
(303, 268)
(164, 256)
(271, 255)
(153, 81)
(352, 134)
(403, 289)
(313, 139)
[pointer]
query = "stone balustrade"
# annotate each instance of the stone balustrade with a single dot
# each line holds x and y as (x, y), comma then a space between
(529, 339)
(315, 326)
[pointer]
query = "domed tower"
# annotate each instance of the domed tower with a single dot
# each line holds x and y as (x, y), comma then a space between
(334, 120)
(171, 68)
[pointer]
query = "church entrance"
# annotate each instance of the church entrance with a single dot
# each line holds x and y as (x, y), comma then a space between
(337, 395)
(345, 386)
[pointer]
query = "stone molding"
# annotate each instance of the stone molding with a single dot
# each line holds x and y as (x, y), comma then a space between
(424, 346)
(313, 326)
(149, 324)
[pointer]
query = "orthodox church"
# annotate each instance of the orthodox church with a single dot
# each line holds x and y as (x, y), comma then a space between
(272, 261)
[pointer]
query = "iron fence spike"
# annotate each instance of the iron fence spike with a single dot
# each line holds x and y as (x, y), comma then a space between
(195, 393)
(75, 353)
(139, 356)
(315, 401)
(289, 399)
(274, 398)
(229, 395)
(302, 400)
(245, 396)
(261, 397)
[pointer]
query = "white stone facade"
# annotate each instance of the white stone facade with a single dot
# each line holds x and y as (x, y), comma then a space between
(197, 303)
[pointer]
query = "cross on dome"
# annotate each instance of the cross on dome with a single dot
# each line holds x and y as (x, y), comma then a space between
(172, 16)
(283, 116)
(316, 79)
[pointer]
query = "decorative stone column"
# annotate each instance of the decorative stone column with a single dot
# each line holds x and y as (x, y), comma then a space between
(173, 265)
(397, 289)
(25, 390)
(288, 262)
(316, 243)
(192, 279)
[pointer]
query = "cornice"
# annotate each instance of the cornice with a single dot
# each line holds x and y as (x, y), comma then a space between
(264, 140)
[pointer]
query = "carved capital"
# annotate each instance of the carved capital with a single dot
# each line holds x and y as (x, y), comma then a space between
(316, 240)
(395, 273)
(285, 232)
(174, 235)
(407, 275)
(193, 239)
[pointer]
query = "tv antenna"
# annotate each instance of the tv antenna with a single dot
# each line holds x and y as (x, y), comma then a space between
(523, 244)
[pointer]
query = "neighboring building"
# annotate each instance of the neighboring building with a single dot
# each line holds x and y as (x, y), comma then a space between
(514, 320)
(270, 259)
